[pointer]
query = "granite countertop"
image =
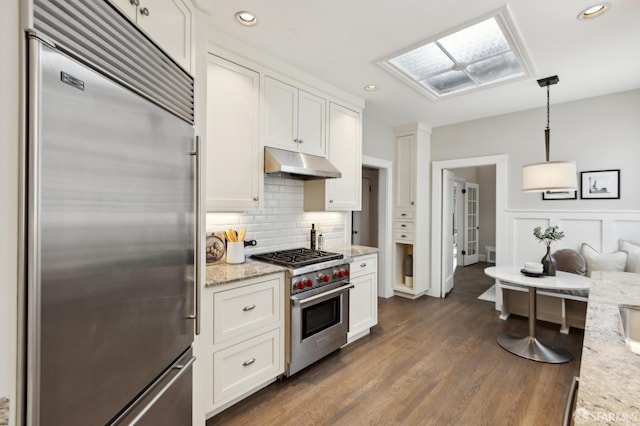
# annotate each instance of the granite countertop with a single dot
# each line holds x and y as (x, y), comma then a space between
(609, 389)
(353, 251)
(224, 273)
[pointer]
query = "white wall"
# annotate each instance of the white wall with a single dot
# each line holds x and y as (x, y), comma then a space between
(9, 138)
(282, 224)
(377, 138)
(598, 133)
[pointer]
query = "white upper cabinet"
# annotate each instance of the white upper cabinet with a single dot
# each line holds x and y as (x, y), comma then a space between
(293, 118)
(405, 172)
(345, 153)
(234, 173)
(311, 123)
(167, 22)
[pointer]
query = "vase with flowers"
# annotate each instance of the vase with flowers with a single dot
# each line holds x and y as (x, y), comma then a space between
(550, 235)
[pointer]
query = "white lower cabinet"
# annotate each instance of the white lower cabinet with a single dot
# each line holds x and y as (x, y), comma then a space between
(241, 346)
(240, 368)
(363, 297)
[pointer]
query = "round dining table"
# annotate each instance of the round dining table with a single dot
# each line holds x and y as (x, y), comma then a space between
(528, 346)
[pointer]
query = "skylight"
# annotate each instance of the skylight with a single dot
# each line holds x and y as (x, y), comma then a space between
(483, 53)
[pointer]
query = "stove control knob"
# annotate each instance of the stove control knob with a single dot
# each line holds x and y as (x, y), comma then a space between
(325, 278)
(299, 285)
(341, 274)
(346, 272)
(309, 283)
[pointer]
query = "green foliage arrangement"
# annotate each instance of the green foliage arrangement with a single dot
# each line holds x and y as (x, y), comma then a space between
(550, 234)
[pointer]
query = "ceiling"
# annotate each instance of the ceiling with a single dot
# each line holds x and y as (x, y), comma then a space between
(339, 41)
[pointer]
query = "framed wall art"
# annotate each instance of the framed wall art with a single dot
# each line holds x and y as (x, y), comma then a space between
(560, 195)
(600, 185)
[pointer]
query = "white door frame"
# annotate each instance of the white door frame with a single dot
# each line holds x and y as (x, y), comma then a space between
(500, 162)
(385, 215)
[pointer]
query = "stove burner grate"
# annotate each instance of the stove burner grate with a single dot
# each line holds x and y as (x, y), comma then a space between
(296, 258)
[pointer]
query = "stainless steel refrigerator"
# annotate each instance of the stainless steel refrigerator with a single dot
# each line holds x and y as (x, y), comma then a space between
(109, 223)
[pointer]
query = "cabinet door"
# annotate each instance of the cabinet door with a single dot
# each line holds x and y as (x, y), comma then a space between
(168, 23)
(345, 152)
(311, 124)
(405, 172)
(127, 7)
(280, 114)
(363, 304)
(233, 147)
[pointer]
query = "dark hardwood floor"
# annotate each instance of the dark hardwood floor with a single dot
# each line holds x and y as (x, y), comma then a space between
(427, 362)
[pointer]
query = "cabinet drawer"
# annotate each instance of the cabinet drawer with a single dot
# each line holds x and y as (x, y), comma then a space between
(363, 265)
(403, 226)
(404, 236)
(404, 214)
(241, 367)
(243, 309)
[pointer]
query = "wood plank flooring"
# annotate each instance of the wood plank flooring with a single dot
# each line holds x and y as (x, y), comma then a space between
(428, 362)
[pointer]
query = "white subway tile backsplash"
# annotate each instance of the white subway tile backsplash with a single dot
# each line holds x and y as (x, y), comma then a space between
(282, 224)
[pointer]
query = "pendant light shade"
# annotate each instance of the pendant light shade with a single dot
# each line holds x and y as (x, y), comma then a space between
(550, 175)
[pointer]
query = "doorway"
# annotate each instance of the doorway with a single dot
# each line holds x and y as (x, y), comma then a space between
(499, 162)
(364, 223)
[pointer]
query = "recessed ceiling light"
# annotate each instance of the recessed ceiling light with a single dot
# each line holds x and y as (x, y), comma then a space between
(247, 19)
(371, 87)
(594, 11)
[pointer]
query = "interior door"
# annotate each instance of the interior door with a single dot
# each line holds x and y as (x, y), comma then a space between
(471, 223)
(448, 197)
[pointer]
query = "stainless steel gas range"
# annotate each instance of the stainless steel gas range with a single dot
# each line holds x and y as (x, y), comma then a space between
(317, 320)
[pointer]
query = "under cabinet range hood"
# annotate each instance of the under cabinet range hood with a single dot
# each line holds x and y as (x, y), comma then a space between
(297, 165)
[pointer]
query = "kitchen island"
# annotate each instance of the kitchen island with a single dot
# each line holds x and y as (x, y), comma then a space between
(609, 389)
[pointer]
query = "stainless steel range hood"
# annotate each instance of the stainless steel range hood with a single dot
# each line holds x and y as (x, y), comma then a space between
(298, 165)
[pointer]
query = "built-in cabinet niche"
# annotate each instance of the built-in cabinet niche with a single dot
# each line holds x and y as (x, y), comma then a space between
(411, 209)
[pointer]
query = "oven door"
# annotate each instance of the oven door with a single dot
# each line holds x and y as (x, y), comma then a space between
(319, 324)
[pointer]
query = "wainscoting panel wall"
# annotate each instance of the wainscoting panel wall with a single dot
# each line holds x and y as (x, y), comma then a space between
(599, 229)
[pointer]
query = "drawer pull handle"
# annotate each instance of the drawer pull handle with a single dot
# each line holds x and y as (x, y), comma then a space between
(403, 214)
(403, 225)
(249, 308)
(363, 265)
(248, 362)
(413, 203)
(403, 236)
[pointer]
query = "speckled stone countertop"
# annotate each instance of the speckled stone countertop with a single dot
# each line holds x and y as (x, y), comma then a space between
(223, 273)
(609, 389)
(353, 251)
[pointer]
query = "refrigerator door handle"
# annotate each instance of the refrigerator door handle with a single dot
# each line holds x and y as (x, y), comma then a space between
(197, 275)
(182, 370)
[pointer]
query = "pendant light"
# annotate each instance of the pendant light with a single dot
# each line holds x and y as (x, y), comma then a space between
(550, 175)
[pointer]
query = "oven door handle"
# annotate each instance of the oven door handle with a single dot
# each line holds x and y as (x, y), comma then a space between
(319, 297)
